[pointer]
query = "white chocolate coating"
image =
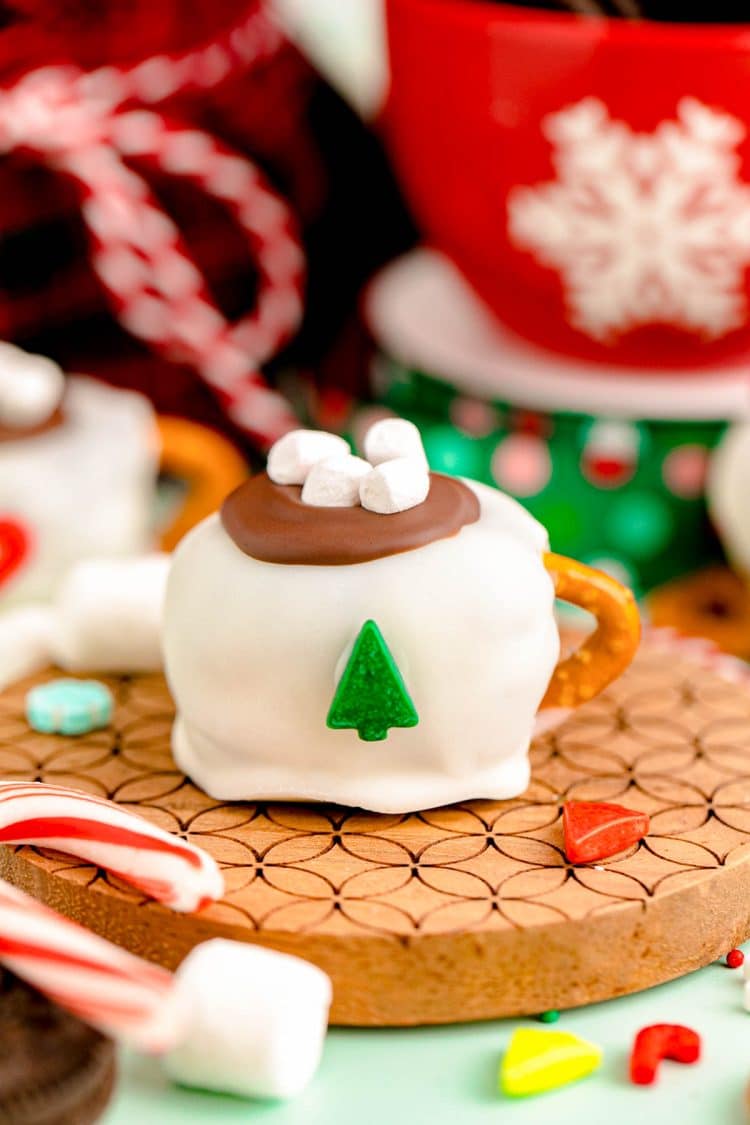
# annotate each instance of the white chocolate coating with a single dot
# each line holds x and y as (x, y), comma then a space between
(252, 651)
(31, 387)
(84, 488)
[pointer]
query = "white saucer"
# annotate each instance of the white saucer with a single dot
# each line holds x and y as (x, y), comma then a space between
(422, 313)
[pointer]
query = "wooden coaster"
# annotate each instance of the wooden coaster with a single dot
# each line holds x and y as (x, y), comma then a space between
(458, 913)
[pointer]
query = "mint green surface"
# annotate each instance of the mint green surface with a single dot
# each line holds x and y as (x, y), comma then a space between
(448, 1076)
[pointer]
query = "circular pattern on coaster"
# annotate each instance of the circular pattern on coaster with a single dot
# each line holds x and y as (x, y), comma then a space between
(457, 913)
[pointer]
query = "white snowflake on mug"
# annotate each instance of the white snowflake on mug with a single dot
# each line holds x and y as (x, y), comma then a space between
(644, 227)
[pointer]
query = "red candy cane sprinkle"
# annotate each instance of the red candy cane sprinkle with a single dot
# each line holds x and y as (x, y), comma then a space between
(661, 1041)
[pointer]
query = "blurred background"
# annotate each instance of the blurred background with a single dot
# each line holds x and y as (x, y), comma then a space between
(264, 213)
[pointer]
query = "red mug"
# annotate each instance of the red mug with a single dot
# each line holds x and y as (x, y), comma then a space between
(589, 176)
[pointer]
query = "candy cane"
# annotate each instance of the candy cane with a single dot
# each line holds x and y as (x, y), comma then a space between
(166, 868)
(235, 1017)
(110, 989)
(84, 126)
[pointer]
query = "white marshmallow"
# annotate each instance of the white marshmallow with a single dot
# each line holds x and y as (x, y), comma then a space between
(255, 1020)
(108, 615)
(292, 457)
(25, 643)
(395, 486)
(392, 438)
(31, 387)
(334, 483)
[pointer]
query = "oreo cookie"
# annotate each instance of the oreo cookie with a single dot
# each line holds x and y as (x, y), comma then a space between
(54, 1070)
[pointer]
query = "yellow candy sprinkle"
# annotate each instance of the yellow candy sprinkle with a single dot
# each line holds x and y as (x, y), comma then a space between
(539, 1060)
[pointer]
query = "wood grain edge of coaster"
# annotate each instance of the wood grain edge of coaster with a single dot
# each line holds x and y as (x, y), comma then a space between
(462, 977)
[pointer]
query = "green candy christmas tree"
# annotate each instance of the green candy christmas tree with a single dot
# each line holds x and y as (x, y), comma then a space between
(371, 696)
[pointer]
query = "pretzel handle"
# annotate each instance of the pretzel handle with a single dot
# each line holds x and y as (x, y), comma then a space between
(207, 462)
(607, 652)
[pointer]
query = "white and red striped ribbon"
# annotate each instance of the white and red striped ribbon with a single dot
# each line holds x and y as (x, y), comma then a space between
(85, 125)
(163, 866)
(114, 991)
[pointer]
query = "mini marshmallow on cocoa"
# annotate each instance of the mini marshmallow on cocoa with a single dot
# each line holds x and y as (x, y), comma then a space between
(395, 486)
(255, 1020)
(334, 482)
(293, 456)
(391, 439)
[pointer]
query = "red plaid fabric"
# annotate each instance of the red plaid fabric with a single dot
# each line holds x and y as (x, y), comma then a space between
(51, 295)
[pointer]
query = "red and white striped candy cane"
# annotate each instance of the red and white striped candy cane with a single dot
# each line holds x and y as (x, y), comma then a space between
(121, 995)
(166, 868)
(85, 125)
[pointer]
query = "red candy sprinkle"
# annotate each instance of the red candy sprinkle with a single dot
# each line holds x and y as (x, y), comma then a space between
(595, 831)
(735, 958)
(661, 1041)
(15, 546)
